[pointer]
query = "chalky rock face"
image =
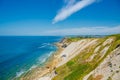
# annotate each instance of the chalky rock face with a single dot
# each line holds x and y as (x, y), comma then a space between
(108, 69)
(102, 55)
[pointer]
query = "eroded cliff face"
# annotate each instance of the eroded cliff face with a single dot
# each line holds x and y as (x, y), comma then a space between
(109, 68)
(90, 59)
(76, 48)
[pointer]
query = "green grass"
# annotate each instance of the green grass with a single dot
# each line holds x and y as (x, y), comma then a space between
(78, 72)
(77, 68)
(73, 39)
(117, 36)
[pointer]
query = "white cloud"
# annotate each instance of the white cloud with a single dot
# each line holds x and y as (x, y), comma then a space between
(71, 8)
(85, 31)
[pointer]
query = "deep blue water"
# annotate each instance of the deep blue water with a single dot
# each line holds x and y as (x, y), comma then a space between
(19, 54)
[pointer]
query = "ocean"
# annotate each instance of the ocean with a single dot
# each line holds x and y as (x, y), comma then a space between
(19, 54)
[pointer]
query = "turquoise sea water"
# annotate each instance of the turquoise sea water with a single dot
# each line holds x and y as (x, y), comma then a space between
(19, 54)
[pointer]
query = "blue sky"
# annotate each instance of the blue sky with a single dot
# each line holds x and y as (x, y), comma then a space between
(59, 17)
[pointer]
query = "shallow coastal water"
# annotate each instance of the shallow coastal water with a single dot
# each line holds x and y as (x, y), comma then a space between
(19, 54)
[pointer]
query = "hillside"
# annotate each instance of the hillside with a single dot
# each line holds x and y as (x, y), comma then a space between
(90, 59)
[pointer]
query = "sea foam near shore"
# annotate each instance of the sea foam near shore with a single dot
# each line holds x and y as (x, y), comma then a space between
(26, 53)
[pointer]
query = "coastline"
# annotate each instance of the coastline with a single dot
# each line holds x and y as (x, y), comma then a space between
(47, 68)
(67, 52)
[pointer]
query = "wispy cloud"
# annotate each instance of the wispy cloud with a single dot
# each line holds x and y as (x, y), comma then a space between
(85, 31)
(71, 7)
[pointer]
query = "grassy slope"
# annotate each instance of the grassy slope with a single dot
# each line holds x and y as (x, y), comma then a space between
(77, 68)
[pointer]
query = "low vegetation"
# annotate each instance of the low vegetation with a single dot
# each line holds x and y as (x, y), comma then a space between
(78, 67)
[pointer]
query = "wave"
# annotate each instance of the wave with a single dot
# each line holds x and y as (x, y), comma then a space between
(44, 45)
(34, 66)
(41, 60)
(44, 58)
(18, 74)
